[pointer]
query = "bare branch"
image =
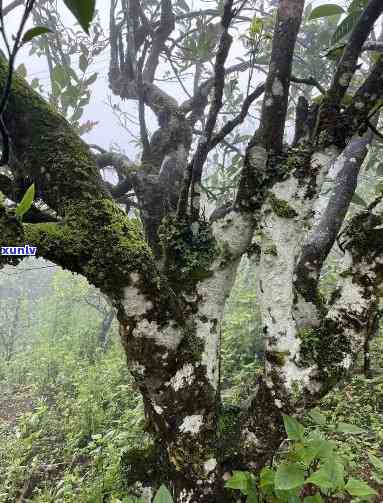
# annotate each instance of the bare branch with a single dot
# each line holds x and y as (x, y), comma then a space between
(310, 81)
(365, 100)
(161, 34)
(9, 8)
(323, 235)
(203, 144)
(274, 108)
(301, 116)
(373, 46)
(230, 125)
(348, 62)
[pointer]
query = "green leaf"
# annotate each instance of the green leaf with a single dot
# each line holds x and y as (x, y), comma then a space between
(21, 70)
(376, 462)
(347, 427)
(307, 453)
(359, 488)
(256, 26)
(252, 496)
(72, 74)
(59, 75)
(92, 79)
(83, 11)
(266, 478)
(335, 53)
(317, 498)
(163, 495)
(56, 89)
(345, 27)
(326, 10)
(34, 32)
(289, 476)
(329, 476)
(357, 5)
(294, 428)
(26, 201)
(243, 481)
(317, 416)
(83, 63)
(358, 201)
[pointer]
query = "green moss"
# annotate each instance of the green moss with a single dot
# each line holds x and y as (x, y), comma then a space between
(188, 454)
(98, 240)
(188, 257)
(11, 234)
(280, 207)
(271, 250)
(277, 357)
(229, 427)
(145, 465)
(326, 347)
(49, 151)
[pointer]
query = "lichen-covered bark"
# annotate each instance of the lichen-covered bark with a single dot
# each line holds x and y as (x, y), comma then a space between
(181, 393)
(168, 275)
(309, 345)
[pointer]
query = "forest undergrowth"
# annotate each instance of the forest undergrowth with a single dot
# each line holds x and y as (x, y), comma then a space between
(69, 409)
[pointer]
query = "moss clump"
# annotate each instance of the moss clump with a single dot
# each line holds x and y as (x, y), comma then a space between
(187, 454)
(50, 152)
(280, 207)
(277, 357)
(98, 240)
(11, 232)
(309, 338)
(229, 428)
(270, 250)
(188, 257)
(147, 466)
(326, 347)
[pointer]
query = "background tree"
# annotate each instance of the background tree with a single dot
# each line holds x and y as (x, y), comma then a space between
(169, 272)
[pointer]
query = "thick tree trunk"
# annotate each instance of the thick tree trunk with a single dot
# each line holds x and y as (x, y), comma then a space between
(177, 366)
(169, 283)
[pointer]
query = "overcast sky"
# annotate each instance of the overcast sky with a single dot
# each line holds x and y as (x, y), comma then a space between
(108, 131)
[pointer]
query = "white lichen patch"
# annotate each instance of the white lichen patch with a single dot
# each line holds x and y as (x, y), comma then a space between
(147, 494)
(158, 409)
(186, 497)
(183, 377)
(250, 438)
(210, 465)
(170, 336)
(257, 157)
(137, 368)
(303, 311)
(277, 88)
(347, 362)
(233, 233)
(279, 310)
(296, 379)
(213, 293)
(332, 164)
(278, 403)
(192, 424)
(135, 303)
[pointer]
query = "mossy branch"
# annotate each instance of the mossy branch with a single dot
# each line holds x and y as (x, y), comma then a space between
(48, 150)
